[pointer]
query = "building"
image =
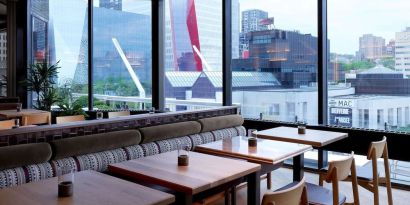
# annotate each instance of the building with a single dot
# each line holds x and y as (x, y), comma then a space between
(251, 20)
(380, 81)
(290, 55)
(391, 49)
(134, 43)
(371, 47)
(402, 51)
(111, 4)
(193, 37)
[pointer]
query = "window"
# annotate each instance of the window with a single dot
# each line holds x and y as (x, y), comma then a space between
(274, 59)
(193, 58)
(3, 65)
(58, 36)
(122, 54)
(369, 62)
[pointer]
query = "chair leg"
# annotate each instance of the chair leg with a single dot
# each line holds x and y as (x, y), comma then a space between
(387, 177)
(321, 179)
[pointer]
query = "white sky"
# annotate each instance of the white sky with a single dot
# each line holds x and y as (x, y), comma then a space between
(347, 19)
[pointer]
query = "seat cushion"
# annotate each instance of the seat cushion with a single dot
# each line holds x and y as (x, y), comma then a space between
(220, 122)
(25, 154)
(25, 174)
(94, 143)
(321, 195)
(167, 131)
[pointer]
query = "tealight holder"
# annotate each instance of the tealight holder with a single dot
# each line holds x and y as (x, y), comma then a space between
(252, 142)
(302, 129)
(183, 156)
(65, 181)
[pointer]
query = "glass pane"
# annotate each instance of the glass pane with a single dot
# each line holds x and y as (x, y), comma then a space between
(370, 67)
(369, 64)
(274, 59)
(122, 54)
(193, 54)
(3, 63)
(62, 37)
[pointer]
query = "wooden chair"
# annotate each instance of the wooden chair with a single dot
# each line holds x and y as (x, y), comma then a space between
(294, 195)
(6, 124)
(369, 178)
(66, 119)
(118, 114)
(337, 171)
(36, 119)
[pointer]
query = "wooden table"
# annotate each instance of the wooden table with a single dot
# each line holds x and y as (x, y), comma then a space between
(317, 138)
(9, 114)
(204, 174)
(270, 154)
(89, 188)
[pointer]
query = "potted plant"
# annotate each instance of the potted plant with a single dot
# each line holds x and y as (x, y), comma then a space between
(42, 80)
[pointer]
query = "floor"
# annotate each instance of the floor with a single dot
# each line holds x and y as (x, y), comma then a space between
(283, 176)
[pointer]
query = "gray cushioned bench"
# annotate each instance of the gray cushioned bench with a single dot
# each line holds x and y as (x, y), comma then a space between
(96, 152)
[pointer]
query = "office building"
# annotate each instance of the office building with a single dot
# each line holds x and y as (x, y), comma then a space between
(251, 20)
(402, 51)
(371, 47)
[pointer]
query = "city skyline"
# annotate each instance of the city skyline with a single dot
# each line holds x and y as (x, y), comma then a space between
(341, 40)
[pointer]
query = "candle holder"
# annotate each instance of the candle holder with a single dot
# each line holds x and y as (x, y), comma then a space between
(252, 142)
(100, 115)
(183, 156)
(302, 128)
(18, 108)
(65, 181)
(16, 123)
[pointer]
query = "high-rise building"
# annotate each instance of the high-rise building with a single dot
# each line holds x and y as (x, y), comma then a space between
(193, 37)
(402, 51)
(251, 20)
(111, 4)
(371, 47)
(390, 48)
(3, 46)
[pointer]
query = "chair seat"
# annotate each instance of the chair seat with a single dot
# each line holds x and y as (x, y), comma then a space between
(320, 195)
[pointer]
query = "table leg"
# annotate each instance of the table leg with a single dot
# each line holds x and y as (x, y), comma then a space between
(184, 199)
(298, 163)
(269, 180)
(254, 188)
(227, 197)
(233, 195)
(322, 158)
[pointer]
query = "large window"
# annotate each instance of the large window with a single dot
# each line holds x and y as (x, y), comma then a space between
(274, 59)
(62, 37)
(122, 59)
(368, 75)
(193, 54)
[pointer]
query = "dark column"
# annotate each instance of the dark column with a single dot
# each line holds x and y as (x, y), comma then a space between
(90, 55)
(158, 25)
(322, 61)
(227, 52)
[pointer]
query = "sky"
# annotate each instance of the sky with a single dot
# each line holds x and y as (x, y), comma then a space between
(347, 19)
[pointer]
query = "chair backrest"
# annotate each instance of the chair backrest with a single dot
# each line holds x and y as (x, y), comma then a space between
(118, 114)
(378, 148)
(341, 168)
(9, 106)
(36, 119)
(66, 119)
(295, 195)
(6, 124)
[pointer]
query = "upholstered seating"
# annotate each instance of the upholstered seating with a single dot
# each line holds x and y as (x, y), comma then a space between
(97, 151)
(20, 164)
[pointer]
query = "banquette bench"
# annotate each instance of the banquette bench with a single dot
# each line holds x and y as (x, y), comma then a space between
(36, 161)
